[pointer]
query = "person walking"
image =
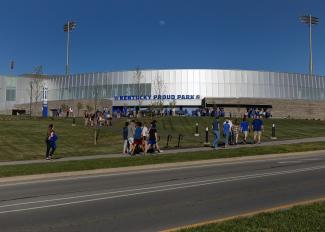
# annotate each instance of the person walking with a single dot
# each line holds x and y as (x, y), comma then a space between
(153, 138)
(230, 130)
(226, 132)
(137, 139)
(131, 130)
(125, 138)
(244, 127)
(257, 128)
(154, 123)
(47, 141)
(53, 138)
(215, 128)
(145, 133)
(235, 131)
(86, 118)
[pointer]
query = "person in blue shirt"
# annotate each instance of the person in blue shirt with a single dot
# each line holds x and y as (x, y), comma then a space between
(52, 140)
(257, 128)
(47, 141)
(137, 137)
(244, 127)
(215, 128)
(226, 132)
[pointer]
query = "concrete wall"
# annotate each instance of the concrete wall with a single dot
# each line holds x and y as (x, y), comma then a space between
(37, 107)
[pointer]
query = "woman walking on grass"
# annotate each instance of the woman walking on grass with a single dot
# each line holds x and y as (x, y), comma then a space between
(53, 138)
(50, 141)
(235, 131)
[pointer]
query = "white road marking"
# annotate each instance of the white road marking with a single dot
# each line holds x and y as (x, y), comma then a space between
(291, 162)
(154, 169)
(299, 161)
(312, 159)
(153, 189)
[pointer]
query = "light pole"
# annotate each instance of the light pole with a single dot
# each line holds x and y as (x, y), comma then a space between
(69, 26)
(310, 20)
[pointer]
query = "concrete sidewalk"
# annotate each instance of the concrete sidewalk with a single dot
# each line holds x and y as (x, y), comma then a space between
(169, 151)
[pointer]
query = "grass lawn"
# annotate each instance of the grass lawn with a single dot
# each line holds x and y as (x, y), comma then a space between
(24, 139)
(79, 165)
(299, 218)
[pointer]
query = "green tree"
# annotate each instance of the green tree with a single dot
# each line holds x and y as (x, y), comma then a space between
(89, 108)
(79, 107)
(159, 88)
(139, 89)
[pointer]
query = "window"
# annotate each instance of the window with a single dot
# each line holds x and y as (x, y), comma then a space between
(11, 94)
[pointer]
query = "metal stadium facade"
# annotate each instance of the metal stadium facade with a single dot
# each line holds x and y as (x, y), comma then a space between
(183, 87)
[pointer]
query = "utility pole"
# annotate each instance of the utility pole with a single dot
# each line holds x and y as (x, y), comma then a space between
(69, 26)
(310, 20)
(12, 65)
(31, 97)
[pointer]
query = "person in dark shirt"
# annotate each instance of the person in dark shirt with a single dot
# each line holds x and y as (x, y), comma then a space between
(153, 138)
(125, 138)
(53, 138)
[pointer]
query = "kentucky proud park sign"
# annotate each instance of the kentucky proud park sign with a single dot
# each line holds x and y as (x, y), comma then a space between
(157, 97)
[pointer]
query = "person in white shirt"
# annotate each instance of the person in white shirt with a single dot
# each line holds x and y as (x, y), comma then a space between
(230, 130)
(145, 135)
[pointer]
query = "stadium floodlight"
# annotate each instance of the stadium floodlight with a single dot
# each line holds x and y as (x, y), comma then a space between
(69, 26)
(310, 20)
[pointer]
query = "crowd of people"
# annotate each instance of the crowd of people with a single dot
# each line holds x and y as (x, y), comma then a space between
(253, 112)
(138, 138)
(199, 112)
(134, 112)
(99, 118)
(67, 111)
(231, 131)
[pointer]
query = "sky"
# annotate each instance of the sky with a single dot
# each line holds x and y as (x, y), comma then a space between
(118, 35)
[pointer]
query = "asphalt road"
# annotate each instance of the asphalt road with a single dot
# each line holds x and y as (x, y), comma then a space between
(158, 199)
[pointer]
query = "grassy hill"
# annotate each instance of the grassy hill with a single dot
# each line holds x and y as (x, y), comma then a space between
(24, 139)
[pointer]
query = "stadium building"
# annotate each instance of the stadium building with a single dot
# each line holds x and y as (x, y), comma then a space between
(284, 94)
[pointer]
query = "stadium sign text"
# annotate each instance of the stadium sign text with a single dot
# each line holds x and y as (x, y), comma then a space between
(157, 97)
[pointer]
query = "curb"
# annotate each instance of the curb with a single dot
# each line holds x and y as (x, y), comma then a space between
(248, 214)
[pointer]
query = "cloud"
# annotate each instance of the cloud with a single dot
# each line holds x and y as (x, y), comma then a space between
(162, 22)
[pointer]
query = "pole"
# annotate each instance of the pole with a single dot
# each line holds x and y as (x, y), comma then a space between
(67, 71)
(206, 143)
(273, 132)
(310, 49)
(169, 138)
(31, 98)
(45, 103)
(180, 137)
(197, 130)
